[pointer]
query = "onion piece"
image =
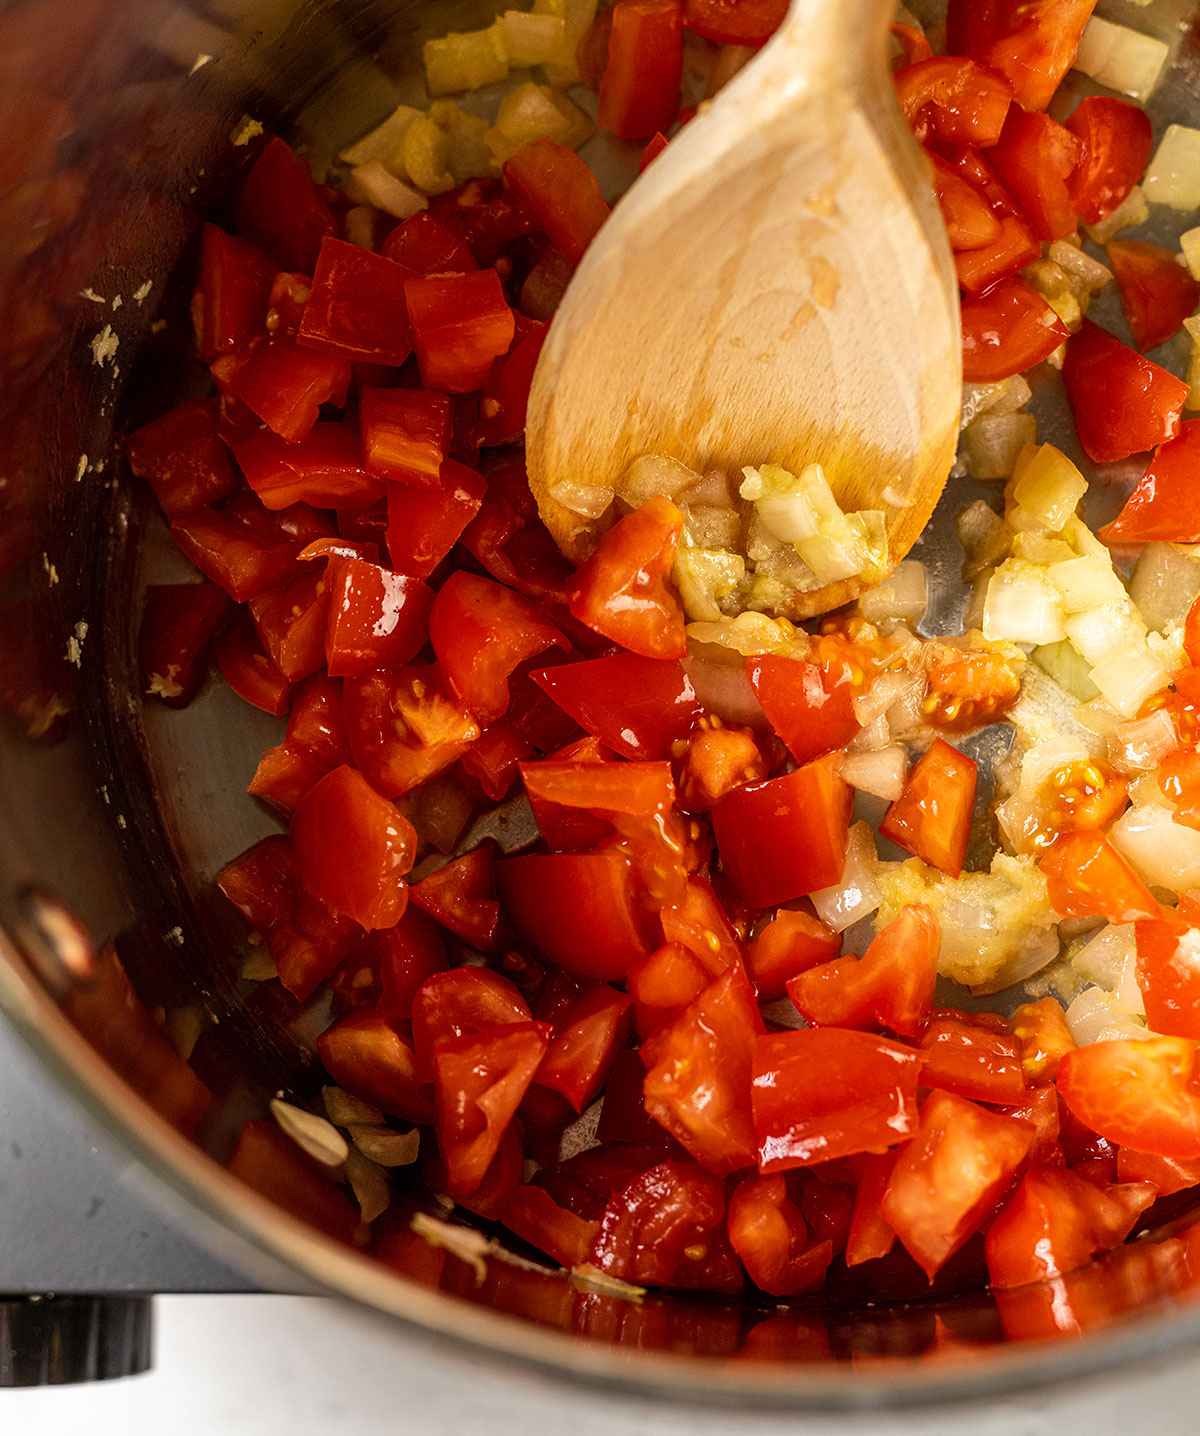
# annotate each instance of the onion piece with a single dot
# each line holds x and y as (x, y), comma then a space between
(1173, 176)
(372, 184)
(384, 143)
(903, 595)
(531, 38)
(1165, 853)
(1132, 211)
(1141, 744)
(653, 476)
(872, 738)
(1189, 244)
(1089, 274)
(1037, 952)
(722, 687)
(1124, 60)
(992, 444)
(1095, 1017)
(856, 895)
(880, 773)
(1128, 677)
(1102, 959)
(1165, 583)
(887, 689)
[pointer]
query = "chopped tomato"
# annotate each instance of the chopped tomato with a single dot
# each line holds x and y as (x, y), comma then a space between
(785, 838)
(913, 44)
(405, 433)
(959, 1057)
(315, 743)
(718, 760)
(771, 1237)
(357, 306)
(462, 897)
(1012, 249)
(651, 1229)
(1116, 139)
(970, 221)
(954, 99)
(623, 1117)
(588, 1038)
(827, 1092)
(1168, 973)
(579, 910)
(425, 521)
(490, 218)
(870, 1236)
(662, 984)
(1179, 780)
(178, 624)
(1168, 1174)
(1056, 1221)
(1122, 403)
(495, 760)
(734, 22)
(967, 687)
(637, 706)
(325, 469)
(950, 1176)
(971, 166)
(244, 549)
(506, 392)
(1157, 294)
(932, 816)
(622, 591)
(377, 619)
(1163, 503)
(462, 1001)
(561, 192)
(460, 324)
(811, 707)
(1032, 43)
(275, 1167)
(353, 849)
(697, 922)
(1006, 331)
(1089, 878)
(245, 665)
(510, 541)
(1139, 1094)
(479, 1079)
(480, 633)
(537, 1218)
(639, 92)
(890, 986)
(291, 623)
(427, 244)
(1041, 1029)
(404, 727)
(1035, 158)
(182, 458)
(698, 1074)
(404, 957)
(791, 943)
(281, 209)
(654, 147)
(229, 306)
(364, 1054)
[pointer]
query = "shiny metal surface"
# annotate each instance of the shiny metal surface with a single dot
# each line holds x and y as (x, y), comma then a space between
(117, 125)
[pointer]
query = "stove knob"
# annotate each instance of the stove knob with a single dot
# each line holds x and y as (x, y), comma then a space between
(55, 1340)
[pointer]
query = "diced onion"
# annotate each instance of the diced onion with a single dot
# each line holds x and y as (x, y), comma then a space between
(372, 184)
(750, 634)
(1102, 959)
(1132, 211)
(385, 143)
(1192, 325)
(1104, 629)
(984, 535)
(722, 687)
(467, 61)
(587, 500)
(653, 476)
(1089, 273)
(887, 689)
(1141, 744)
(1005, 396)
(705, 577)
(1129, 676)
(427, 156)
(1086, 583)
(1164, 852)
(360, 226)
(1124, 60)
(875, 736)
(905, 715)
(1067, 668)
(857, 894)
(1022, 606)
(1165, 583)
(1189, 244)
(1046, 489)
(993, 443)
(903, 595)
(1038, 951)
(1095, 1017)
(1173, 177)
(532, 39)
(578, 15)
(880, 773)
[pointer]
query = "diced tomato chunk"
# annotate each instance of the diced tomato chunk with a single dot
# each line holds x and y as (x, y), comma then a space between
(325, 469)
(772, 1239)
(650, 1226)
(953, 98)
(506, 392)
(353, 849)
(229, 305)
(281, 208)
(462, 897)
(357, 307)
(718, 760)
(247, 668)
(639, 91)
(587, 1041)
(510, 541)
(364, 1054)
(870, 1236)
(291, 625)
(932, 816)
(426, 244)
(1163, 504)
(662, 984)
(286, 386)
(1006, 331)
(734, 22)
(791, 943)
(561, 193)
(404, 727)
(1157, 293)
(1122, 403)
(1169, 976)
(1139, 1094)
(636, 706)
(970, 221)
(425, 521)
(579, 910)
(495, 760)
(810, 707)
(785, 838)
(462, 1001)
(890, 986)
(315, 743)
(950, 1176)
(829, 1092)
(536, 1217)
(1035, 158)
(405, 433)
(1168, 1174)
(460, 324)
(1013, 248)
(377, 619)
(273, 1166)
(182, 459)
(405, 956)
(178, 624)
(1041, 1029)
(1089, 878)
(969, 1061)
(1116, 139)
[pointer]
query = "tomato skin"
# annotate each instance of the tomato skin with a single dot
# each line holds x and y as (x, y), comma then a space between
(622, 590)
(734, 22)
(353, 848)
(281, 209)
(890, 986)
(1162, 505)
(791, 943)
(178, 623)
(182, 458)
(579, 910)
(964, 1059)
(1157, 294)
(1006, 331)
(364, 1054)
(829, 1092)
(315, 743)
(425, 521)
(1123, 404)
(356, 309)
(229, 306)
(460, 324)
(1031, 44)
(932, 816)
(1138, 1094)
(664, 983)
(636, 706)
(245, 666)
(1116, 138)
(810, 708)
(377, 619)
(1014, 246)
(771, 1238)
(272, 1165)
(869, 1236)
(404, 727)
(639, 91)
(536, 1217)
(1089, 878)
(325, 469)
(588, 1038)
(1035, 158)
(405, 433)
(969, 219)
(1168, 1174)
(459, 1002)
(953, 98)
(947, 1180)
(698, 1074)
(1056, 1221)
(244, 549)
(425, 244)
(290, 621)
(1168, 976)
(785, 838)
(561, 192)
(462, 897)
(648, 1225)
(480, 633)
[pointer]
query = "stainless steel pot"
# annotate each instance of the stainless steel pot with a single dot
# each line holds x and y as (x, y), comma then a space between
(119, 128)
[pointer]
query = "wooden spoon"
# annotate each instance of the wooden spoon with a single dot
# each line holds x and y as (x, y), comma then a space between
(776, 288)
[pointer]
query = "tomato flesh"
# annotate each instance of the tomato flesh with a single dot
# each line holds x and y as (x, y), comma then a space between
(1157, 294)
(1122, 403)
(932, 816)
(1139, 1094)
(1116, 139)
